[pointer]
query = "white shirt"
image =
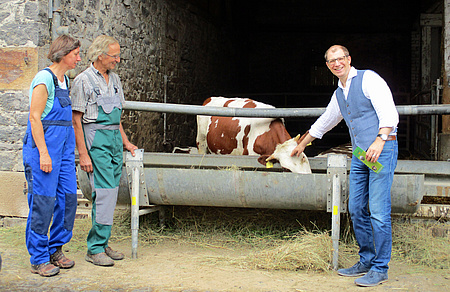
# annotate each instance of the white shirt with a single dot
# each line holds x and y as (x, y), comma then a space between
(375, 89)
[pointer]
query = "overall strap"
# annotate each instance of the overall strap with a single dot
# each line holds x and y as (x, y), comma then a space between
(94, 85)
(55, 79)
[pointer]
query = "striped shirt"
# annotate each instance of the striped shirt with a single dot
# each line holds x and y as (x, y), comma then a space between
(84, 99)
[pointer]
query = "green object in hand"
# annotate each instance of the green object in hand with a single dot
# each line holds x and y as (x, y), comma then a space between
(361, 155)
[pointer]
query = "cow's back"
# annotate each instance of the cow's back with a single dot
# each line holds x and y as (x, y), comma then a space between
(237, 135)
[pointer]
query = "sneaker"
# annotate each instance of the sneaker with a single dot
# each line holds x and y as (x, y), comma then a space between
(45, 269)
(371, 279)
(115, 255)
(99, 259)
(60, 260)
(357, 270)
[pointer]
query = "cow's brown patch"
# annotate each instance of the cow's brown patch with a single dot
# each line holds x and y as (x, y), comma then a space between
(245, 139)
(222, 134)
(267, 142)
(208, 100)
(249, 104)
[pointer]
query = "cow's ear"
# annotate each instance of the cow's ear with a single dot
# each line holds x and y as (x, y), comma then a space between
(262, 159)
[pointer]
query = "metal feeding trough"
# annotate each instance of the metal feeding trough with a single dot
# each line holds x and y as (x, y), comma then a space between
(150, 180)
(155, 179)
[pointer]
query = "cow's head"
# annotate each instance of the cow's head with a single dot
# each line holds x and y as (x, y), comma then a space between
(283, 152)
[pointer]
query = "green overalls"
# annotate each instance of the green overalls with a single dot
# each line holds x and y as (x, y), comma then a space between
(105, 148)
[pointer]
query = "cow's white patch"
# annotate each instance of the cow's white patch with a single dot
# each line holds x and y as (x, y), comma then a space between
(283, 154)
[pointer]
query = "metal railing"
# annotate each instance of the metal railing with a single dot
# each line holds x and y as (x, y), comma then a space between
(267, 113)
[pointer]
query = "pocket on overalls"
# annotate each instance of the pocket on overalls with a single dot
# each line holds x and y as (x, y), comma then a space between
(29, 177)
(64, 101)
(106, 105)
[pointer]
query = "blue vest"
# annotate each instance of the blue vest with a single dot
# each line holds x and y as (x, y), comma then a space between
(358, 112)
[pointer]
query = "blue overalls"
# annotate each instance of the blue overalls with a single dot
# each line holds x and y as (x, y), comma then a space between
(51, 194)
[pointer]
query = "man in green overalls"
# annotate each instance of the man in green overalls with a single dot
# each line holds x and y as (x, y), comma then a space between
(97, 99)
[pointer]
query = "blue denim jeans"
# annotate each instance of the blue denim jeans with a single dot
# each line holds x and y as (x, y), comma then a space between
(370, 208)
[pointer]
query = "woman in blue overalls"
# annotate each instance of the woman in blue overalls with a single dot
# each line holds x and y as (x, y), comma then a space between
(49, 161)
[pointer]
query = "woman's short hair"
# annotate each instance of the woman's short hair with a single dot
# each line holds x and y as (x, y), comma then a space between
(61, 47)
(100, 46)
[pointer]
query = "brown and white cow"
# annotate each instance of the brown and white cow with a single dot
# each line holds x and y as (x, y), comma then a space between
(245, 136)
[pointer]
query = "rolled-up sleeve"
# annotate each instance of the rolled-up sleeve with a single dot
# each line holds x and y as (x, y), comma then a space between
(377, 90)
(328, 120)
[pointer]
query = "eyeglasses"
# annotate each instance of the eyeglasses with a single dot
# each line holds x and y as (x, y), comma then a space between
(339, 60)
(115, 57)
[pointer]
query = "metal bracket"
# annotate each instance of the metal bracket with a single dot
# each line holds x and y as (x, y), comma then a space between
(337, 165)
(132, 162)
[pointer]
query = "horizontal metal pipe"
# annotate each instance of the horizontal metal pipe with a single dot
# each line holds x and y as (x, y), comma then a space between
(267, 113)
(178, 181)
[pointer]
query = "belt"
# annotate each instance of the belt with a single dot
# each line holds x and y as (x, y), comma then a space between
(392, 138)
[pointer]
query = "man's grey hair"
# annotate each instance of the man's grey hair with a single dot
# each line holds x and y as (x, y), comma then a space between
(100, 46)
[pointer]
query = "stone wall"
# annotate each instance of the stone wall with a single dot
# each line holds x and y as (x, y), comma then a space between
(173, 51)
(23, 35)
(170, 50)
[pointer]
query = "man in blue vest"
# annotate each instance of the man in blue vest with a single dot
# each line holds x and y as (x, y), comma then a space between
(364, 101)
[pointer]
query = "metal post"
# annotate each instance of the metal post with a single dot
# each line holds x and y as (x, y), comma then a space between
(135, 168)
(336, 219)
(337, 196)
(134, 212)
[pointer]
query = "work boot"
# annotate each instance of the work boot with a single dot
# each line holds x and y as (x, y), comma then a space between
(357, 270)
(99, 259)
(115, 255)
(59, 259)
(45, 269)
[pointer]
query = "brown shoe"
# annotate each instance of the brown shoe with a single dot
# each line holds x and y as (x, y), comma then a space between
(45, 269)
(114, 254)
(99, 259)
(60, 260)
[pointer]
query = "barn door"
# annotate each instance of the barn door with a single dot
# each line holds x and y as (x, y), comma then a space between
(426, 127)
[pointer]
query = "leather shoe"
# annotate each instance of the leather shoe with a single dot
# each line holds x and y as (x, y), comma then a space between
(59, 259)
(371, 279)
(45, 269)
(115, 255)
(99, 259)
(358, 269)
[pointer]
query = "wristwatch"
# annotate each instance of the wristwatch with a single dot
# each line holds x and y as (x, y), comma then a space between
(383, 137)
